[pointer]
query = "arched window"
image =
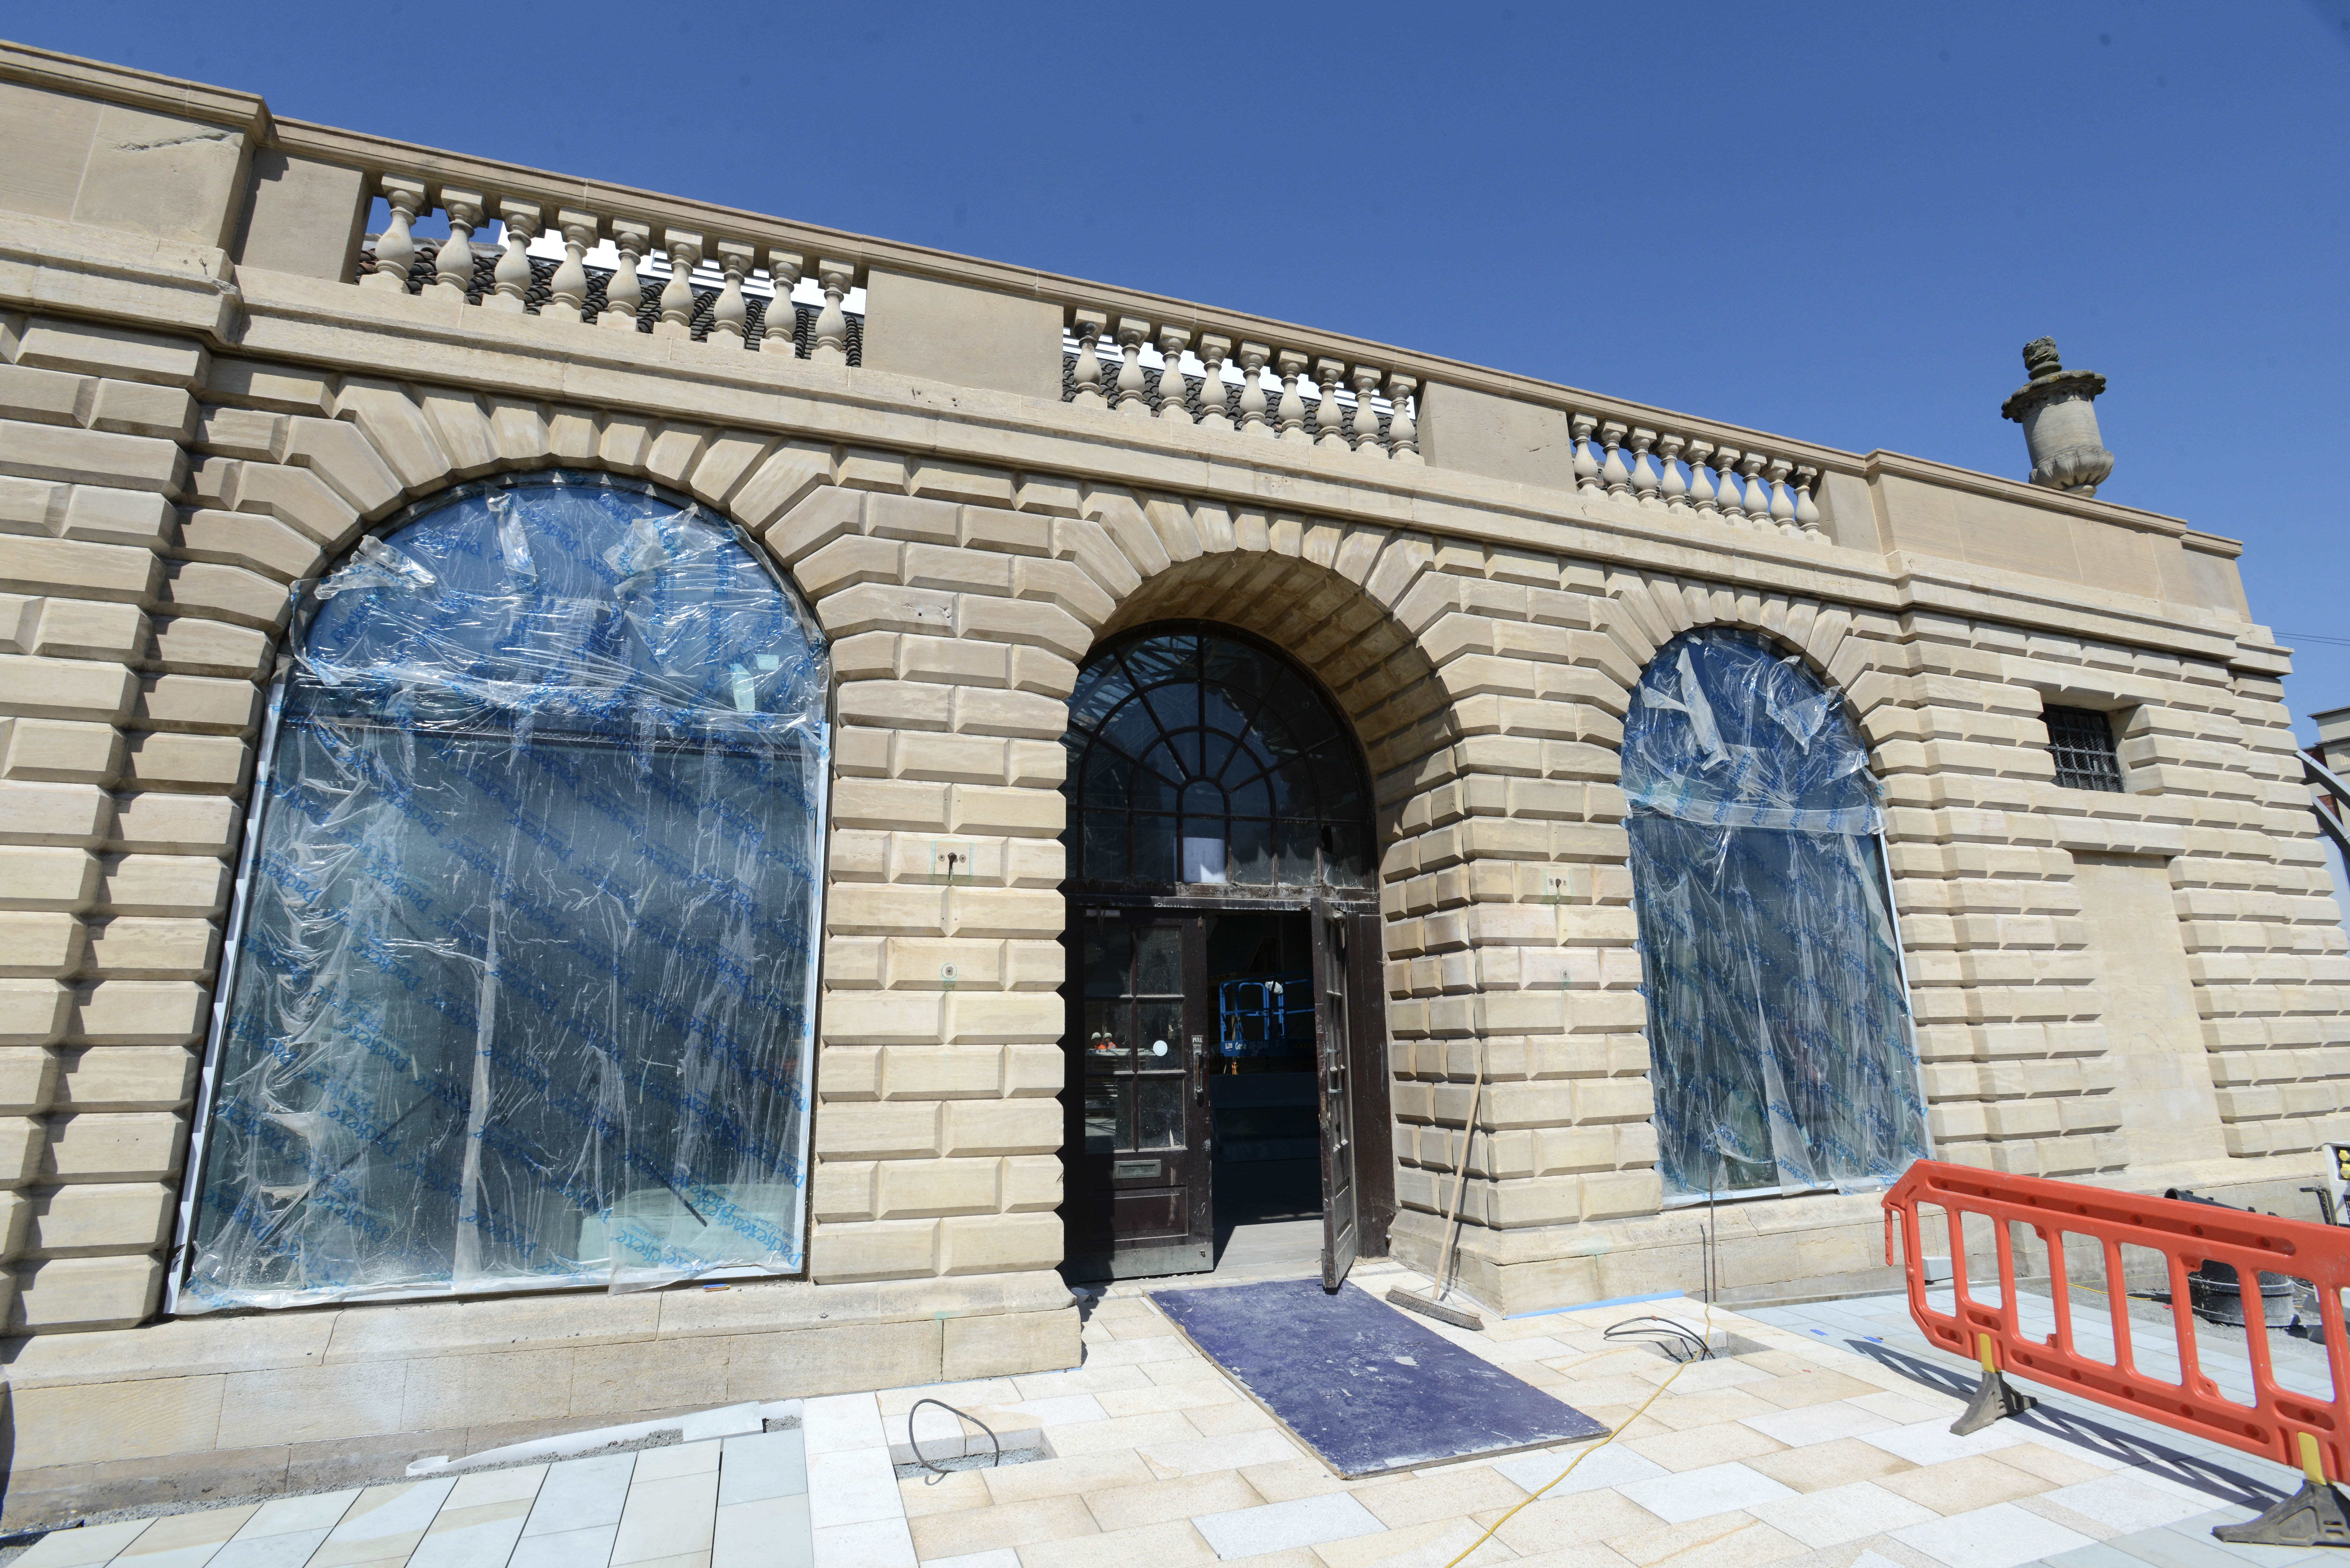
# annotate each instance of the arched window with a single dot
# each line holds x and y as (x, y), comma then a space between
(521, 990)
(1197, 757)
(1778, 1019)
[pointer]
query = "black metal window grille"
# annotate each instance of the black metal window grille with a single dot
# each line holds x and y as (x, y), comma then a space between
(2082, 742)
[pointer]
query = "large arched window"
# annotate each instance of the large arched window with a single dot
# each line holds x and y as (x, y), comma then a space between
(521, 985)
(1199, 758)
(1778, 1019)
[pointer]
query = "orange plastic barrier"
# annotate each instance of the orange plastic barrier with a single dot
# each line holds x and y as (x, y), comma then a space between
(2310, 1434)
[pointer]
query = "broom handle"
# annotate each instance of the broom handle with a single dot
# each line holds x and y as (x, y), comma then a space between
(1460, 1172)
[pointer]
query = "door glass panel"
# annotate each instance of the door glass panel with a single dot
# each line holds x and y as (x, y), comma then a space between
(1159, 1102)
(1162, 1024)
(1102, 1116)
(1160, 971)
(1109, 1035)
(1109, 953)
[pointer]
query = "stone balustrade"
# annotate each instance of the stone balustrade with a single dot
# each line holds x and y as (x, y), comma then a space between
(581, 259)
(1687, 475)
(614, 273)
(1282, 392)
(1297, 392)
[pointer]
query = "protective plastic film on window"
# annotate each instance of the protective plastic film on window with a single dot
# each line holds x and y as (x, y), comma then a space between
(1779, 1024)
(521, 991)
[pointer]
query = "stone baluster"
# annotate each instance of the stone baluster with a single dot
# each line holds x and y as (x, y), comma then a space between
(1807, 514)
(568, 287)
(1612, 473)
(1293, 402)
(1088, 326)
(677, 295)
(1701, 486)
(1725, 467)
(1364, 433)
(1215, 407)
(395, 248)
(1253, 421)
(1783, 505)
(1329, 421)
(1644, 473)
(453, 269)
(1403, 431)
(1172, 403)
(1131, 335)
(1758, 498)
(1586, 465)
(624, 291)
(1674, 490)
(783, 317)
(513, 271)
(730, 315)
(831, 346)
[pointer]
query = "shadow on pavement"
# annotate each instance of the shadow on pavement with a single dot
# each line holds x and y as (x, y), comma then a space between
(2110, 1442)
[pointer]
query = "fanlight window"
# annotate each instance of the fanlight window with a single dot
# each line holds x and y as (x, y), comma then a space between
(521, 988)
(1199, 758)
(1779, 1022)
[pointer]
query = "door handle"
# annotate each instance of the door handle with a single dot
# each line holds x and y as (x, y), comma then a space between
(1199, 1068)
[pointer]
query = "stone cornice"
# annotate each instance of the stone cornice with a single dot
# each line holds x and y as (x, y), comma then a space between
(336, 329)
(1945, 476)
(140, 90)
(499, 181)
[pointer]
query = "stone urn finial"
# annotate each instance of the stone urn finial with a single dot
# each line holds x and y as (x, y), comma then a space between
(2056, 409)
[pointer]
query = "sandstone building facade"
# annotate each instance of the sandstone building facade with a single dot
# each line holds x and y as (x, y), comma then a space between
(234, 355)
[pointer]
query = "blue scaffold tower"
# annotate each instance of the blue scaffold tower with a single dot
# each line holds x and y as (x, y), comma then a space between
(1264, 1015)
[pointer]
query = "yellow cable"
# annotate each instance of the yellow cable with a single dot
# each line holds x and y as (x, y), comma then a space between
(1707, 1335)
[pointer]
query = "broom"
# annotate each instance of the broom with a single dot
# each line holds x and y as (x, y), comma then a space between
(1431, 1304)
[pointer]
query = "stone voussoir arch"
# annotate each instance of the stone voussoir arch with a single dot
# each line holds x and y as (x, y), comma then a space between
(284, 496)
(1646, 611)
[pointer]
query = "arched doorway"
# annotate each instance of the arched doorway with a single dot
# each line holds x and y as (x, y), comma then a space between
(1225, 1042)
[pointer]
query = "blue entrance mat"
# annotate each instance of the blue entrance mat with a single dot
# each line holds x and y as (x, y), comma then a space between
(1362, 1384)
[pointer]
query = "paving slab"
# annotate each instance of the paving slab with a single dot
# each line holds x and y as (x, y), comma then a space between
(1828, 1446)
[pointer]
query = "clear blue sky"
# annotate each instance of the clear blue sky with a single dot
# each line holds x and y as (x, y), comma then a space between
(1840, 223)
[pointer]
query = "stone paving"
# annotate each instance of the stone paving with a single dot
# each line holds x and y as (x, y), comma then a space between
(1827, 1447)
(1880, 1328)
(727, 1502)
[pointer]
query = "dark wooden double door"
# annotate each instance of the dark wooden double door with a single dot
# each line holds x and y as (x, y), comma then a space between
(1138, 1196)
